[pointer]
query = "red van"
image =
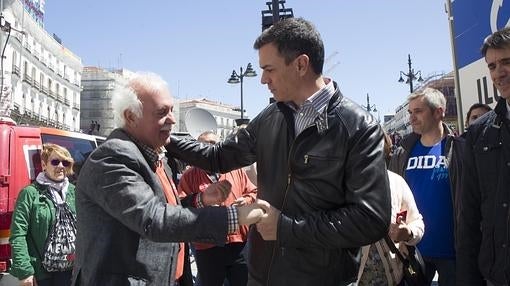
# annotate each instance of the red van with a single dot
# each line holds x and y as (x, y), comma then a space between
(20, 163)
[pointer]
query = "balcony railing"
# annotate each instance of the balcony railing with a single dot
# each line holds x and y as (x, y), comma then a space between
(15, 70)
(36, 85)
(76, 106)
(27, 78)
(28, 47)
(17, 37)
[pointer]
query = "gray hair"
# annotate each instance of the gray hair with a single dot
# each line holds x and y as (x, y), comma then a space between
(126, 95)
(432, 97)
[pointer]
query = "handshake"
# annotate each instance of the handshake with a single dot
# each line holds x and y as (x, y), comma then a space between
(259, 212)
(264, 215)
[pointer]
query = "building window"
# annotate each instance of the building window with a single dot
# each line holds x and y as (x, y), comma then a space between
(14, 59)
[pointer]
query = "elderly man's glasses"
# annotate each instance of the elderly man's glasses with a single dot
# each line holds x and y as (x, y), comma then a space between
(56, 162)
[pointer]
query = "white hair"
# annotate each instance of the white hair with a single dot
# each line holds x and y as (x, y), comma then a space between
(126, 95)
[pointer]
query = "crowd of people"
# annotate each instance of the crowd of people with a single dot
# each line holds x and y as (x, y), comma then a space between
(331, 201)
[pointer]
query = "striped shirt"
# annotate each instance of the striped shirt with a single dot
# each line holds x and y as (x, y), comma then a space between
(313, 107)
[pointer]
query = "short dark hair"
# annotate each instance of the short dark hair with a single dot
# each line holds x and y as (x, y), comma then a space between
(497, 40)
(475, 106)
(294, 37)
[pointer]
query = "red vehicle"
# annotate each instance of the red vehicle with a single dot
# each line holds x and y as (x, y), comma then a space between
(20, 163)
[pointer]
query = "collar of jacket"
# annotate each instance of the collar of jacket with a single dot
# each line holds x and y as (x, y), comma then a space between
(121, 134)
(500, 108)
(410, 140)
(288, 113)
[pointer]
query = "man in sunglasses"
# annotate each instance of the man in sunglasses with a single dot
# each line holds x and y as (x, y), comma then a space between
(131, 222)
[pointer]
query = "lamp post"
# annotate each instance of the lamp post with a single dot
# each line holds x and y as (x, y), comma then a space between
(369, 107)
(238, 78)
(411, 75)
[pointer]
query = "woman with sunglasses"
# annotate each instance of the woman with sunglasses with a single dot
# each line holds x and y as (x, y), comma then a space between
(35, 215)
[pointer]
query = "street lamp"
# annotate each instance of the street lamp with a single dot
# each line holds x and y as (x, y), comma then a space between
(369, 107)
(411, 75)
(238, 78)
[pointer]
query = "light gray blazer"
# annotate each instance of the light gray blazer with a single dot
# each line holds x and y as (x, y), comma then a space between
(127, 232)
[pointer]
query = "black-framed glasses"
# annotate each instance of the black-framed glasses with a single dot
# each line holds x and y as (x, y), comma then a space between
(56, 162)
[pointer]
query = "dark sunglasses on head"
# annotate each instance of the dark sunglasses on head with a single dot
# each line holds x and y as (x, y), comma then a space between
(55, 162)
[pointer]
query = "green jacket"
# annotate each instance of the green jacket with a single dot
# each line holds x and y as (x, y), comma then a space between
(32, 219)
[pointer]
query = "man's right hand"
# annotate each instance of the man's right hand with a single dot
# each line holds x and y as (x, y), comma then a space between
(249, 214)
(216, 193)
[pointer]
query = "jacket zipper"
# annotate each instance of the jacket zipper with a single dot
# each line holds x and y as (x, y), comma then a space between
(289, 178)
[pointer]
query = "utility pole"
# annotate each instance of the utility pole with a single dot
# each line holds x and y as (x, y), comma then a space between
(276, 11)
(411, 75)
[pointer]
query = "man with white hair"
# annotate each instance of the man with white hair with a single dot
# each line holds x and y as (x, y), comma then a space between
(430, 161)
(131, 223)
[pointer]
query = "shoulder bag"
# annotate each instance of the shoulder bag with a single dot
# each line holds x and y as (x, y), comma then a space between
(414, 266)
(60, 243)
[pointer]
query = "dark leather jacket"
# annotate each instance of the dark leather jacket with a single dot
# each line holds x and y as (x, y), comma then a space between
(329, 182)
(484, 226)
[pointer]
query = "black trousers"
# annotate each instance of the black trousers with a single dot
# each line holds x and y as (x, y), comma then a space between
(57, 279)
(222, 262)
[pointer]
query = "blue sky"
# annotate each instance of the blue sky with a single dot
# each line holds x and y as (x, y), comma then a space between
(195, 45)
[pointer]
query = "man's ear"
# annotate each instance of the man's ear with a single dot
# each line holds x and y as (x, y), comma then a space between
(130, 118)
(302, 63)
(440, 112)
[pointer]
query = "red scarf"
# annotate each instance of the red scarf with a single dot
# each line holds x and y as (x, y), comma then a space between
(171, 197)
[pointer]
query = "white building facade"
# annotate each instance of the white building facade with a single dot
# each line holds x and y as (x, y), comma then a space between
(41, 78)
(224, 114)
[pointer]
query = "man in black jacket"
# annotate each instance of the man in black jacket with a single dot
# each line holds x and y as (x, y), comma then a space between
(321, 172)
(483, 248)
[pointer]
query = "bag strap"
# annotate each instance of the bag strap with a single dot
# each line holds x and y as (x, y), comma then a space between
(394, 249)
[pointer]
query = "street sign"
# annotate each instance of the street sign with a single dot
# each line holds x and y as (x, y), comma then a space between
(473, 21)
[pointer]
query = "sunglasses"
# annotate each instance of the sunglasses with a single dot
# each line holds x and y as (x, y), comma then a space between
(56, 162)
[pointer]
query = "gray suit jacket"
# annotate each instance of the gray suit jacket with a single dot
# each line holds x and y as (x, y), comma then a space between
(127, 232)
